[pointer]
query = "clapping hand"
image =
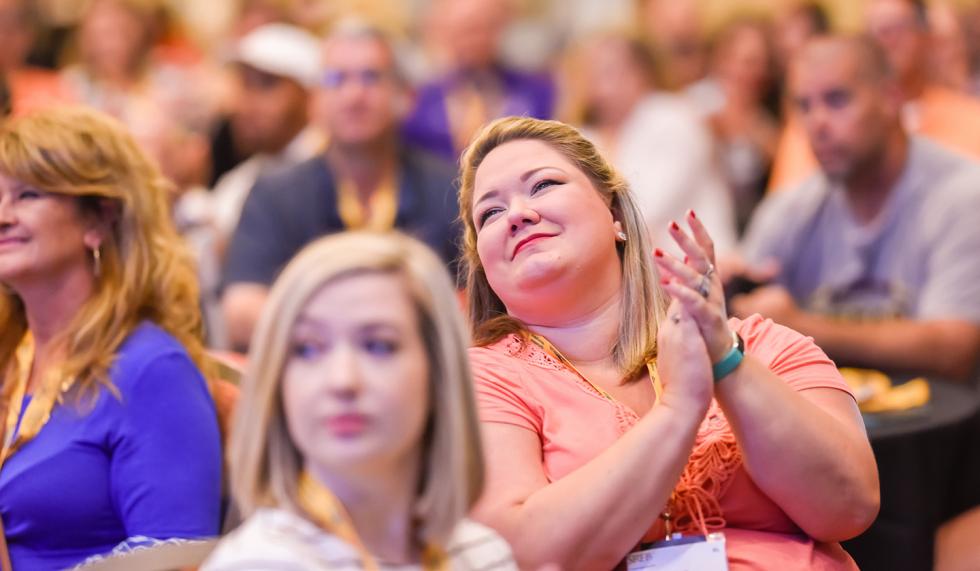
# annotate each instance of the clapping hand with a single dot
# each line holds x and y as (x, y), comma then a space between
(696, 286)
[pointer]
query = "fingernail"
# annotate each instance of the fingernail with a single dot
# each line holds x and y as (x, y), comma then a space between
(658, 252)
(665, 281)
(691, 214)
(685, 259)
(674, 226)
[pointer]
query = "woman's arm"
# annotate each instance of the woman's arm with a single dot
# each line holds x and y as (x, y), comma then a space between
(806, 450)
(165, 464)
(592, 517)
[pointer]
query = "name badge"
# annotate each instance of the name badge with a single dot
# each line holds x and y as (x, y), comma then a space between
(682, 553)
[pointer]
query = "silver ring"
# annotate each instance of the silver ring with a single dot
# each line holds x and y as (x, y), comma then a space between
(675, 318)
(710, 271)
(704, 286)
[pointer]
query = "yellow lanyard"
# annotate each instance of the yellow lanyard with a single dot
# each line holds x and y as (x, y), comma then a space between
(553, 351)
(381, 208)
(42, 404)
(328, 512)
(550, 349)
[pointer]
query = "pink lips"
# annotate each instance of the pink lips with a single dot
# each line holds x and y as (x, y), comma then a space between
(347, 425)
(527, 241)
(11, 241)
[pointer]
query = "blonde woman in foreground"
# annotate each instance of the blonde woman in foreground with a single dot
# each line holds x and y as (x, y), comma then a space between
(357, 444)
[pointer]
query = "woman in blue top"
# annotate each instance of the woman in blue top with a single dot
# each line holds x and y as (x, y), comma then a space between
(110, 433)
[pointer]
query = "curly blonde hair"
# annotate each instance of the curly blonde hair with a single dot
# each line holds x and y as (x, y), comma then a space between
(643, 302)
(146, 272)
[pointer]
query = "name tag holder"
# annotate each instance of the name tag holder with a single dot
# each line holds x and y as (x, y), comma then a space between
(681, 553)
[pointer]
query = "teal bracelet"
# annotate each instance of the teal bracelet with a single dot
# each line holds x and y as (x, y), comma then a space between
(731, 360)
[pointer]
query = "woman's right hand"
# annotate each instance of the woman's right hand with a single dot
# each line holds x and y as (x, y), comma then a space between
(682, 362)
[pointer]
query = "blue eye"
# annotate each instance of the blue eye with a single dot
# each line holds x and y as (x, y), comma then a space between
(380, 347)
(305, 350)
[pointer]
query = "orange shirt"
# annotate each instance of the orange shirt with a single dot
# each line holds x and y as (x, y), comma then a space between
(946, 116)
(33, 88)
(519, 384)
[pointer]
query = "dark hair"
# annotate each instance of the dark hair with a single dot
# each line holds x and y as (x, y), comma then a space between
(817, 15)
(5, 99)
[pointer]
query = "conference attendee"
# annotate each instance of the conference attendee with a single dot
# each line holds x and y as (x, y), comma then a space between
(612, 417)
(657, 140)
(473, 84)
(357, 442)
(874, 256)
(111, 435)
(366, 178)
(277, 66)
(902, 29)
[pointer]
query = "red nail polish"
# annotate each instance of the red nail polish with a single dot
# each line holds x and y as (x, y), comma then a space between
(691, 214)
(658, 252)
(665, 281)
(674, 226)
(685, 259)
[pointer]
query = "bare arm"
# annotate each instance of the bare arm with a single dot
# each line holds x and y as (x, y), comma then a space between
(808, 450)
(592, 517)
(242, 305)
(946, 348)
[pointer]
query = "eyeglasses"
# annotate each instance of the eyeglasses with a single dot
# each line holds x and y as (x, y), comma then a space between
(334, 78)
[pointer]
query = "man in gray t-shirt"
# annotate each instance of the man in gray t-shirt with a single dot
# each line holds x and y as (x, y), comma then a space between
(878, 255)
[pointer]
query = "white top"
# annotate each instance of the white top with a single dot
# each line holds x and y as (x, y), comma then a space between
(666, 154)
(276, 539)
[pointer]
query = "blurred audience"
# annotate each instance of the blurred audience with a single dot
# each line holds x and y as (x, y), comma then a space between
(656, 139)
(367, 178)
(874, 256)
(277, 66)
(30, 87)
(112, 439)
(473, 86)
(357, 440)
(901, 28)
(737, 98)
(676, 34)
(796, 23)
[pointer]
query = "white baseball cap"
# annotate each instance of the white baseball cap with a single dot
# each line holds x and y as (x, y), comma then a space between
(282, 50)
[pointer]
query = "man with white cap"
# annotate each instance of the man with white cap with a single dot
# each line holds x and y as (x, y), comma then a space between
(276, 66)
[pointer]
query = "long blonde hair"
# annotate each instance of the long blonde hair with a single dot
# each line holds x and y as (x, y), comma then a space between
(643, 302)
(265, 462)
(146, 273)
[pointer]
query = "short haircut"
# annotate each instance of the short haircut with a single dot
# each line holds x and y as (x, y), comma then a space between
(873, 63)
(360, 29)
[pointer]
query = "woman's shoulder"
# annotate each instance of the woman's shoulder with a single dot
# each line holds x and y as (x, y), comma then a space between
(273, 538)
(512, 353)
(148, 341)
(148, 352)
(479, 546)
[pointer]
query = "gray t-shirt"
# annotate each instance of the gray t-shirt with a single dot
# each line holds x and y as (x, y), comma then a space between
(920, 258)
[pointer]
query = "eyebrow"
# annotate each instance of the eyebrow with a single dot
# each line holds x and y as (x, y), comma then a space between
(523, 178)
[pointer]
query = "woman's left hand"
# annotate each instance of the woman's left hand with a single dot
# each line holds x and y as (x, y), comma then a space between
(696, 285)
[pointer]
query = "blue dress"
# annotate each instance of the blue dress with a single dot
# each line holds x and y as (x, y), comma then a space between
(148, 464)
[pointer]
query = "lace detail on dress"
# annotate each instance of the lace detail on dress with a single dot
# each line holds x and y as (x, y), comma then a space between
(707, 476)
(527, 351)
